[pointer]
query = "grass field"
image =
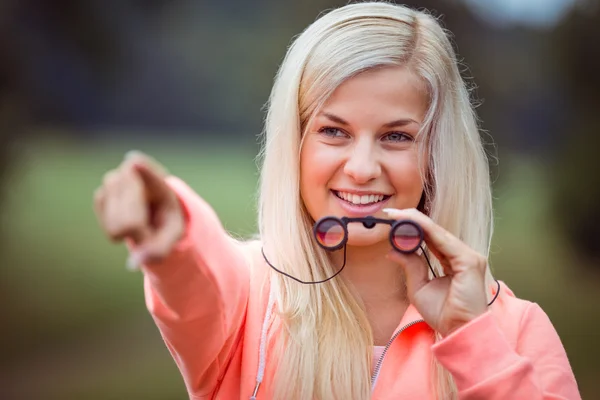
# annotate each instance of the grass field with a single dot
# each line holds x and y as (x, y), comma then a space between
(78, 326)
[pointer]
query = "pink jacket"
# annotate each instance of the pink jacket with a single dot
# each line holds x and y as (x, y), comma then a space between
(210, 300)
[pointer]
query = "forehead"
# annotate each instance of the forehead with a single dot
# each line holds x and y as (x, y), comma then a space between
(387, 92)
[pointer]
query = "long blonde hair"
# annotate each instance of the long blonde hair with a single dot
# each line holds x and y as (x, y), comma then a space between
(326, 341)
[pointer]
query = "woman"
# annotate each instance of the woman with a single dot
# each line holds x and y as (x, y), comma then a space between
(368, 116)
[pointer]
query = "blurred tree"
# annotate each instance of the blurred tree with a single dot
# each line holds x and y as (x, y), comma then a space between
(77, 24)
(87, 72)
(11, 105)
(577, 183)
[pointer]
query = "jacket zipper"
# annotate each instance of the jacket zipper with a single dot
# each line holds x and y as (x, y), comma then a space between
(379, 362)
(387, 346)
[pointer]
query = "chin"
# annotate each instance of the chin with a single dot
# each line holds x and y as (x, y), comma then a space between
(360, 236)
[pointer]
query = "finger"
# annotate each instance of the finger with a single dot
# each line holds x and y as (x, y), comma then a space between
(137, 233)
(138, 157)
(110, 179)
(439, 240)
(152, 172)
(416, 271)
(99, 207)
(122, 225)
(99, 200)
(125, 211)
(156, 246)
(154, 182)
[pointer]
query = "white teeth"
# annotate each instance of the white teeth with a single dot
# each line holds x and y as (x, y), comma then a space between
(364, 199)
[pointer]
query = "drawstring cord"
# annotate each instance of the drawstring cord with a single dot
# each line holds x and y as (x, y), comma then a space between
(262, 352)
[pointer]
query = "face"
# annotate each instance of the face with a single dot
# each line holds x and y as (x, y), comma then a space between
(359, 154)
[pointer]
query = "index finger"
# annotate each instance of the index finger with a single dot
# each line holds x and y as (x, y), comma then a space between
(443, 241)
(149, 170)
(134, 157)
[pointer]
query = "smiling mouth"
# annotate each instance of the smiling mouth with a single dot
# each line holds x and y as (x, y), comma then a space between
(361, 200)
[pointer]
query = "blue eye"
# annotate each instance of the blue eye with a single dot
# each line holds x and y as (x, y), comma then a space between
(332, 132)
(398, 137)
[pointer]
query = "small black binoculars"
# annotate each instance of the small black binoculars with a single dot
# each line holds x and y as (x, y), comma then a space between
(332, 232)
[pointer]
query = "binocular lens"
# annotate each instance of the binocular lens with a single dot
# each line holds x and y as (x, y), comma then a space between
(406, 237)
(330, 233)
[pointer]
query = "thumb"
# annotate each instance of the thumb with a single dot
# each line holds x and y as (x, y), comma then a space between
(414, 269)
(153, 246)
(159, 244)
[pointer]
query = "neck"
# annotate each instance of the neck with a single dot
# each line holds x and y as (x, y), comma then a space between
(375, 278)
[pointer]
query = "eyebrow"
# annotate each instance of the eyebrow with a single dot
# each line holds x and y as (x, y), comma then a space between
(392, 124)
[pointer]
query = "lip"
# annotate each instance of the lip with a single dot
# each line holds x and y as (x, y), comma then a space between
(352, 210)
(360, 192)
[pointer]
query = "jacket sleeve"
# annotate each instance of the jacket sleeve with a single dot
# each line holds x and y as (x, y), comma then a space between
(485, 366)
(198, 295)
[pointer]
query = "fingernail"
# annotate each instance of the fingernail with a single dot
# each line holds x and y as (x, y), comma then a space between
(419, 251)
(134, 261)
(132, 153)
(390, 210)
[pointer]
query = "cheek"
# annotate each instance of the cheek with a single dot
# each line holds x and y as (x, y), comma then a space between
(318, 166)
(405, 176)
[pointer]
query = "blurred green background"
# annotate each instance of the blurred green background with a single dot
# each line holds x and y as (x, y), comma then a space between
(81, 83)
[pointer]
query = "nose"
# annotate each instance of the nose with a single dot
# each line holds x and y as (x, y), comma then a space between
(363, 164)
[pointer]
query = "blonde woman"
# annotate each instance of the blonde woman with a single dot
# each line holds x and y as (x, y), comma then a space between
(368, 118)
